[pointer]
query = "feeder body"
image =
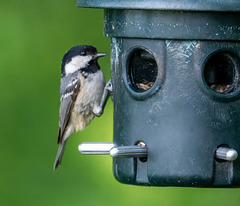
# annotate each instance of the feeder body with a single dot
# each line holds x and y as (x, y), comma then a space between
(175, 76)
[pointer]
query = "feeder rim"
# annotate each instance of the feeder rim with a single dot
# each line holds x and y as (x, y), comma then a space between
(175, 5)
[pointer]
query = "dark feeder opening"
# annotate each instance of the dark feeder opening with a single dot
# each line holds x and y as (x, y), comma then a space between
(221, 72)
(142, 70)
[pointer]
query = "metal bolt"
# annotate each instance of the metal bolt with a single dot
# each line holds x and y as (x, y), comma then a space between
(141, 144)
(225, 153)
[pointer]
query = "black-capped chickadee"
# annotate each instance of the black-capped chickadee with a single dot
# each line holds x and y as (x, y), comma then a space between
(82, 85)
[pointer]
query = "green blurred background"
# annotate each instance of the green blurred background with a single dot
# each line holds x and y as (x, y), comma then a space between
(34, 37)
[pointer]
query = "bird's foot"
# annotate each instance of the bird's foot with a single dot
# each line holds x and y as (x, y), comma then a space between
(97, 110)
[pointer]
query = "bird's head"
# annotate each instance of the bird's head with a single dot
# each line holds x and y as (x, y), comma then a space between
(79, 57)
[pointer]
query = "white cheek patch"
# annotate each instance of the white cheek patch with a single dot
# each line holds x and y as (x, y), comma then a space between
(76, 63)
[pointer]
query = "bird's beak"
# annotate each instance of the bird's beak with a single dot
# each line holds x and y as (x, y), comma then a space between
(99, 55)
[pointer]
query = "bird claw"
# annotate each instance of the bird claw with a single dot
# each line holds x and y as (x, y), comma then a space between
(109, 86)
(97, 111)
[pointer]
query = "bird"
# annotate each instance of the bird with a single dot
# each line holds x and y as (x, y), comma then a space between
(81, 90)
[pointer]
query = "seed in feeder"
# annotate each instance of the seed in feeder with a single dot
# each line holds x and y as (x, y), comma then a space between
(145, 85)
(220, 88)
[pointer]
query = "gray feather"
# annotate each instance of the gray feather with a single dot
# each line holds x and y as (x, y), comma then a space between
(70, 87)
(61, 149)
(66, 80)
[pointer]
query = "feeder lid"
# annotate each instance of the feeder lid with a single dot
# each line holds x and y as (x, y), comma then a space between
(190, 5)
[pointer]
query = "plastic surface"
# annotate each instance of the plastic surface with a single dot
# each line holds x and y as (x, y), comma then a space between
(172, 24)
(193, 5)
(192, 107)
(181, 120)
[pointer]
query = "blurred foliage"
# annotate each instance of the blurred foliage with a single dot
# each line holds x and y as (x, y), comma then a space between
(34, 37)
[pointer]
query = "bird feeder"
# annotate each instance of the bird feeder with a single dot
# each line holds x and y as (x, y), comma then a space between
(176, 94)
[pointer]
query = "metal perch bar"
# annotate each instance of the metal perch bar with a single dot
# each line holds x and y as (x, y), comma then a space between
(114, 151)
(95, 147)
(129, 151)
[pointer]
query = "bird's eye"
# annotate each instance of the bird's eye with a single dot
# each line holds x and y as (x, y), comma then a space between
(83, 53)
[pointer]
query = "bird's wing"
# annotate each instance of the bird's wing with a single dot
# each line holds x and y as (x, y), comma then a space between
(70, 87)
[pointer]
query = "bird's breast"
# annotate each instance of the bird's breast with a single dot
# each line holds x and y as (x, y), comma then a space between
(90, 93)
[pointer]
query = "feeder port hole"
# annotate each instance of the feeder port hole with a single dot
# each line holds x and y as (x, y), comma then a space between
(221, 72)
(142, 70)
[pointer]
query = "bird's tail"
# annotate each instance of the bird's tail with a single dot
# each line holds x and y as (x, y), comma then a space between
(60, 152)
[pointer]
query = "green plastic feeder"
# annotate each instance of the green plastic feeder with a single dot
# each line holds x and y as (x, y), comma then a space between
(175, 77)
